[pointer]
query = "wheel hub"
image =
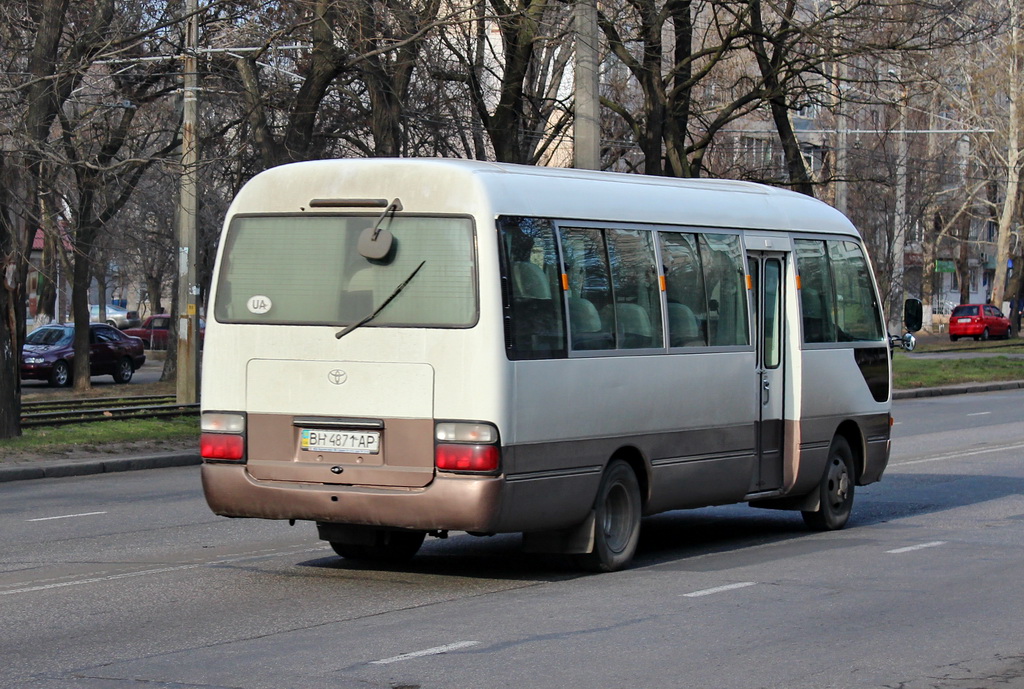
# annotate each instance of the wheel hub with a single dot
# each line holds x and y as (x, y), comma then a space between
(838, 483)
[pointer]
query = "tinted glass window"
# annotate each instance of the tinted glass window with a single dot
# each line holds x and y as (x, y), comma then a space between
(858, 316)
(771, 325)
(614, 294)
(306, 270)
(684, 289)
(725, 283)
(965, 310)
(637, 309)
(817, 300)
(50, 336)
(837, 298)
(533, 291)
(590, 299)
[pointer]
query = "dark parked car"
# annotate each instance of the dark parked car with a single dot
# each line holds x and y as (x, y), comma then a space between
(153, 331)
(979, 321)
(49, 351)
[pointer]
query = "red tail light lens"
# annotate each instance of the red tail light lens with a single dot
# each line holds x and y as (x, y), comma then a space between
(221, 446)
(476, 458)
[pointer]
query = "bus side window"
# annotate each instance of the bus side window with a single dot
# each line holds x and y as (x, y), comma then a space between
(817, 299)
(591, 318)
(725, 282)
(687, 305)
(858, 317)
(532, 289)
(636, 290)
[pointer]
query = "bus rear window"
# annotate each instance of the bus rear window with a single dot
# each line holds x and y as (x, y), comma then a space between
(305, 270)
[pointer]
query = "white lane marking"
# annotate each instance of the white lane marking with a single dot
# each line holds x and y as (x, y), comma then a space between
(65, 516)
(156, 570)
(719, 589)
(979, 413)
(959, 455)
(437, 650)
(919, 546)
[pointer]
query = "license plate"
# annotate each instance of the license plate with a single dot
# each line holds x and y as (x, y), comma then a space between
(963, 320)
(355, 442)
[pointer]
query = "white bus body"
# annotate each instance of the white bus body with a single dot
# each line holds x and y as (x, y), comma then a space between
(577, 349)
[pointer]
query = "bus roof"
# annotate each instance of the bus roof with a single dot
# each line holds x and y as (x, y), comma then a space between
(439, 185)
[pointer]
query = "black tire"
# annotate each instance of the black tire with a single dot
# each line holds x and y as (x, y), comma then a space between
(60, 375)
(984, 334)
(954, 338)
(389, 545)
(124, 371)
(617, 511)
(835, 490)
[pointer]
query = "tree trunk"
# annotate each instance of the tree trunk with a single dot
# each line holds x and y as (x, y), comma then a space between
(153, 286)
(12, 304)
(80, 314)
(770, 67)
(1008, 213)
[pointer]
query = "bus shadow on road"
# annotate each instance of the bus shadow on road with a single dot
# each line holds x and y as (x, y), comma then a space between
(461, 555)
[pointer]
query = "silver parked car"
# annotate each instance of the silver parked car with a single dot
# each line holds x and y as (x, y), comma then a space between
(117, 316)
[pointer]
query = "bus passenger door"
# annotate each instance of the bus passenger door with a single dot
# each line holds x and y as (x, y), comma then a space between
(767, 281)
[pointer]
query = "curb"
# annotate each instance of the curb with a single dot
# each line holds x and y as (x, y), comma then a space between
(84, 467)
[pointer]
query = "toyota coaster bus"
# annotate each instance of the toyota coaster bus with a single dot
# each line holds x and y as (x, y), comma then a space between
(407, 347)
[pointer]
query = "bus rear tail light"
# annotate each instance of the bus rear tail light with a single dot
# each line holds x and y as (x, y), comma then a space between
(222, 437)
(467, 447)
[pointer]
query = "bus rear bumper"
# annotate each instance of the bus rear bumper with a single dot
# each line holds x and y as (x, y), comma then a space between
(463, 503)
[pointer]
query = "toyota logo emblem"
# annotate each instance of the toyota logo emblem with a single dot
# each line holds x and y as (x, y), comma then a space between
(337, 376)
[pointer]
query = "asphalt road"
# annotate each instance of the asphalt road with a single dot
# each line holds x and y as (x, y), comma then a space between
(126, 580)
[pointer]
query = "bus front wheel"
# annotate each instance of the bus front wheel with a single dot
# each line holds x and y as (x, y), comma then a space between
(835, 490)
(616, 520)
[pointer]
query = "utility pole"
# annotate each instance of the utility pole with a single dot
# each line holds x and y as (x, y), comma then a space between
(587, 123)
(188, 289)
(841, 136)
(899, 239)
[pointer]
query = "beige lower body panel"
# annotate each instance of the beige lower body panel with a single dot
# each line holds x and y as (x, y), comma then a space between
(453, 503)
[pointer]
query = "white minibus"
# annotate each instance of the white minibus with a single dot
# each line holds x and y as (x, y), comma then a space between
(398, 348)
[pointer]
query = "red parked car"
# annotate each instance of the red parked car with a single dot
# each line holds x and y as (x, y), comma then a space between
(979, 321)
(153, 331)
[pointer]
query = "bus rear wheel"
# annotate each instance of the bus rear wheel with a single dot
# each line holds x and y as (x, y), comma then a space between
(616, 520)
(385, 545)
(835, 490)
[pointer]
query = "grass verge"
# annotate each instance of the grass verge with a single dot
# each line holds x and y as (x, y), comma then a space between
(911, 373)
(104, 437)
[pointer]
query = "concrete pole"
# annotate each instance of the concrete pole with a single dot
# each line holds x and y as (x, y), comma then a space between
(842, 133)
(587, 123)
(188, 289)
(899, 237)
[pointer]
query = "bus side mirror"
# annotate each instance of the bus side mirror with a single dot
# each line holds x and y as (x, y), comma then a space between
(912, 315)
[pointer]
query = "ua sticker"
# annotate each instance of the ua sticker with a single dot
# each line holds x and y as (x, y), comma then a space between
(259, 304)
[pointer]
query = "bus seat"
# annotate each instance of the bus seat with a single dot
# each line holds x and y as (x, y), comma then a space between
(682, 326)
(583, 315)
(634, 327)
(529, 281)
(587, 330)
(813, 315)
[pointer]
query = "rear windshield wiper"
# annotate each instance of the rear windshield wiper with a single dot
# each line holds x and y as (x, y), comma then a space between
(398, 290)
